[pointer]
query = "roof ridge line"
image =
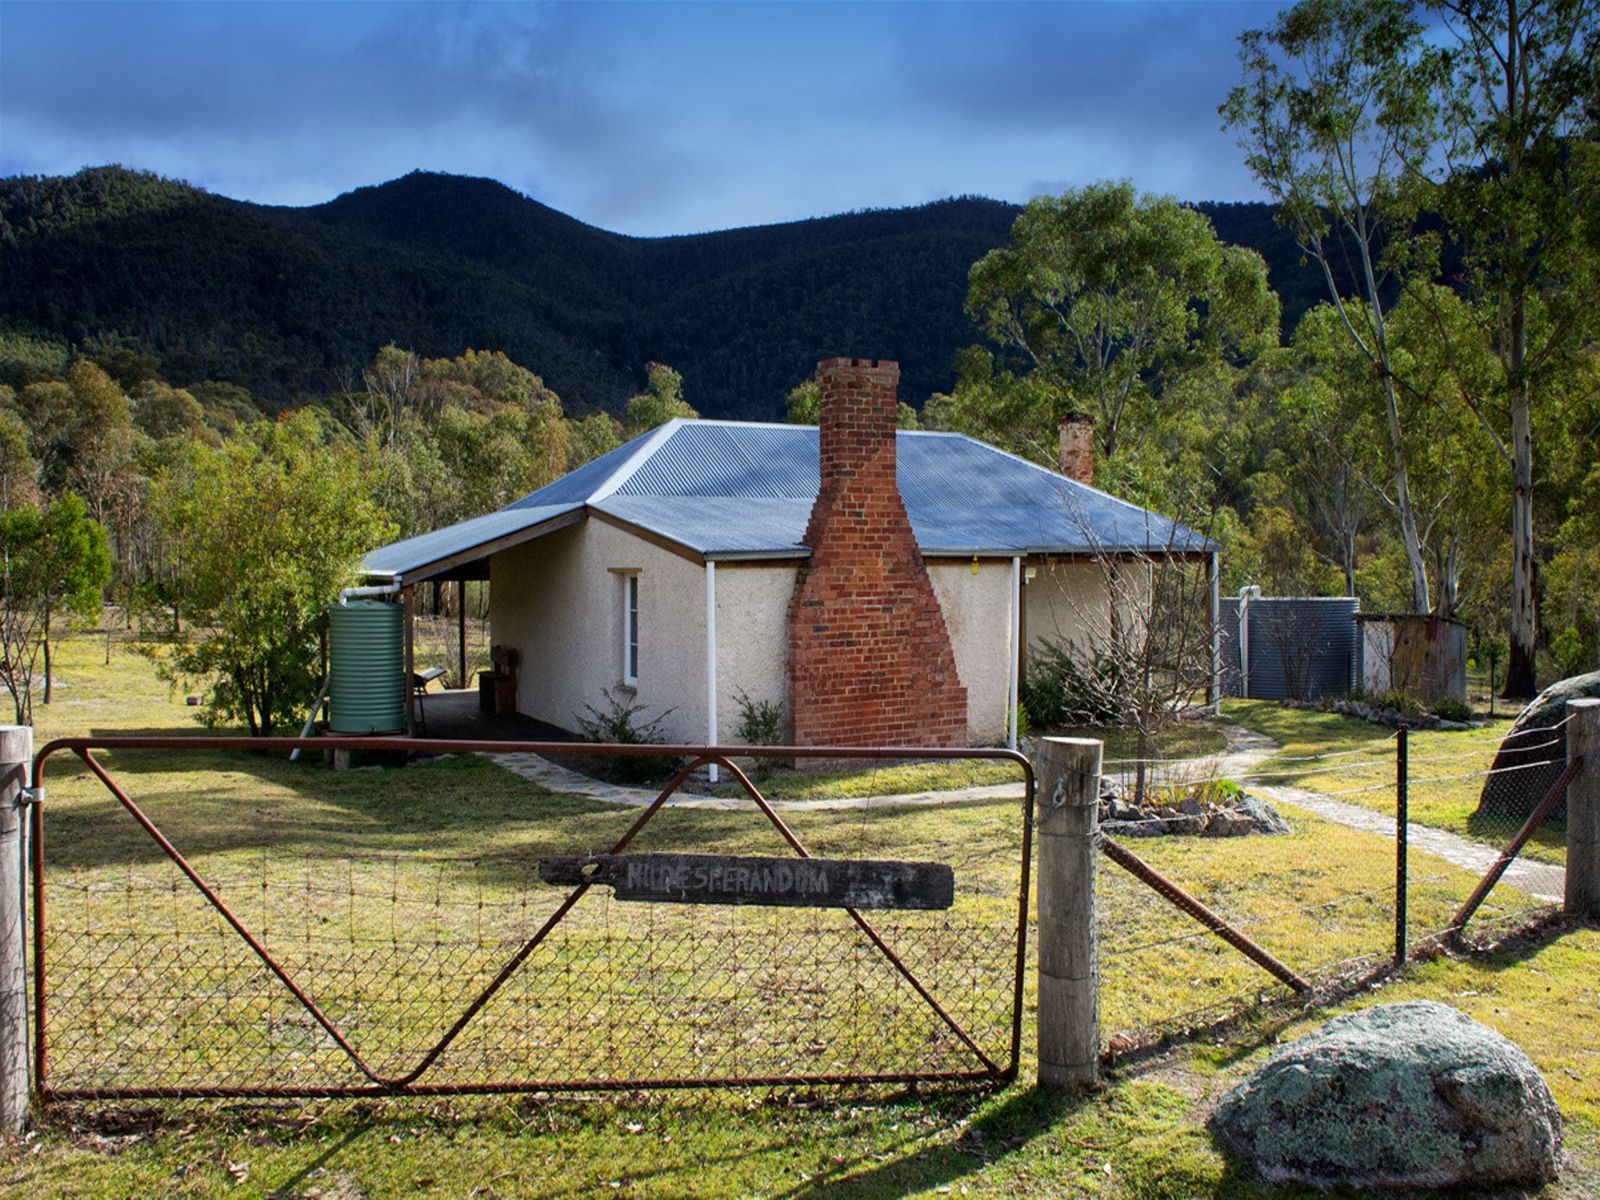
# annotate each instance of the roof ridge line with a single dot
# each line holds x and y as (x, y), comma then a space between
(637, 459)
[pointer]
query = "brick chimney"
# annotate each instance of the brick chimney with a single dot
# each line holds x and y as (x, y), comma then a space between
(870, 659)
(1077, 447)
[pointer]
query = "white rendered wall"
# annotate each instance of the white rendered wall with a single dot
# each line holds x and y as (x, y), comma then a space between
(1070, 602)
(977, 614)
(752, 641)
(559, 601)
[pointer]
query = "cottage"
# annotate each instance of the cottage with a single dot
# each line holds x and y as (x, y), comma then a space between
(878, 586)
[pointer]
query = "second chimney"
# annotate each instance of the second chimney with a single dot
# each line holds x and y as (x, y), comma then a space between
(1077, 447)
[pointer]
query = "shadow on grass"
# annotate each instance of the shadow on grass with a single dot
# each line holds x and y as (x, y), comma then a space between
(1024, 1114)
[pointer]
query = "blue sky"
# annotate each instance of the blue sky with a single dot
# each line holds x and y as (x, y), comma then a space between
(653, 118)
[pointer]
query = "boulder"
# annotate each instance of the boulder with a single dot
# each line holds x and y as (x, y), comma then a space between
(1533, 739)
(1402, 1095)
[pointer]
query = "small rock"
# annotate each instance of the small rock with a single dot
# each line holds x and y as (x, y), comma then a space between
(1191, 806)
(1402, 1095)
(1228, 823)
(1263, 817)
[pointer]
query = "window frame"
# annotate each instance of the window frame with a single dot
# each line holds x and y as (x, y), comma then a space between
(630, 628)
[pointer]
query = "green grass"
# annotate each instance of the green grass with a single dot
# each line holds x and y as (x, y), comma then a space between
(887, 778)
(1185, 740)
(433, 861)
(1445, 775)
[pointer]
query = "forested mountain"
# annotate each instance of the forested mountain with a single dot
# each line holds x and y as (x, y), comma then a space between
(292, 303)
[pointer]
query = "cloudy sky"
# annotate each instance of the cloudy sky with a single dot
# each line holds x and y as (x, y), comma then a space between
(646, 118)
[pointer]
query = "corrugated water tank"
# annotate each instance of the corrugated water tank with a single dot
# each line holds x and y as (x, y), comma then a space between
(366, 668)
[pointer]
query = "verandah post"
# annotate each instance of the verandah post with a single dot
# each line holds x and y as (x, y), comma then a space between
(1069, 974)
(16, 760)
(1583, 809)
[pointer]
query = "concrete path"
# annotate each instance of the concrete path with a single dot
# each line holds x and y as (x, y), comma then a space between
(1245, 752)
(557, 778)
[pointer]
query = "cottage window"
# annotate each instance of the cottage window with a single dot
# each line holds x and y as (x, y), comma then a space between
(630, 629)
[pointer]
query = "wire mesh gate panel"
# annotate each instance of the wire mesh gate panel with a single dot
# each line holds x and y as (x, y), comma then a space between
(295, 932)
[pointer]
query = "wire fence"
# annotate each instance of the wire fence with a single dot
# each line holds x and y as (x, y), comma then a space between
(1349, 890)
(392, 933)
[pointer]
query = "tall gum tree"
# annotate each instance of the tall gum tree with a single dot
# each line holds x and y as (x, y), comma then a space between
(1107, 303)
(1336, 107)
(1521, 201)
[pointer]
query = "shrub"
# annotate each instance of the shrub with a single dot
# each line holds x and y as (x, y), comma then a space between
(622, 722)
(1451, 709)
(760, 724)
(1566, 652)
(760, 721)
(1403, 704)
(1057, 691)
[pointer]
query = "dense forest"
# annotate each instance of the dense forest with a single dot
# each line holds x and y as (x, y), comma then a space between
(291, 304)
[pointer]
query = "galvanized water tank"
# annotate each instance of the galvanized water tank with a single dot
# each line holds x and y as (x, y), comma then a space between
(366, 668)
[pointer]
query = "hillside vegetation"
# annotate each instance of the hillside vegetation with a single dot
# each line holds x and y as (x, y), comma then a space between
(292, 303)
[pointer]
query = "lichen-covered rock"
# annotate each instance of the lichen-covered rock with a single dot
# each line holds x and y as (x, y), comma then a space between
(1537, 745)
(1402, 1095)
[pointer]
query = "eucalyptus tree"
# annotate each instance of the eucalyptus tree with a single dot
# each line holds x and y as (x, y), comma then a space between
(1108, 303)
(1337, 110)
(1521, 202)
(53, 562)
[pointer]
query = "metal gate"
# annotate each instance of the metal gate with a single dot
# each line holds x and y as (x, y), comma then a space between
(178, 959)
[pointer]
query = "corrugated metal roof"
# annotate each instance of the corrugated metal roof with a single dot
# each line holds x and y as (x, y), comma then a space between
(412, 554)
(737, 488)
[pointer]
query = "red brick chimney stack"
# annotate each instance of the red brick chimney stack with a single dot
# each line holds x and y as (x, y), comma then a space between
(1077, 447)
(869, 656)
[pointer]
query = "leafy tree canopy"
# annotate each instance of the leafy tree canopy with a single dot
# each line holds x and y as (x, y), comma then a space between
(1105, 302)
(268, 528)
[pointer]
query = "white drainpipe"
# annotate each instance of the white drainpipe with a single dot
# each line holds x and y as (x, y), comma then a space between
(1015, 656)
(711, 663)
(1246, 593)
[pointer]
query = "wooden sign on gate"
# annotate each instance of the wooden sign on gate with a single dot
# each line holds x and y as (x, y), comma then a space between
(728, 879)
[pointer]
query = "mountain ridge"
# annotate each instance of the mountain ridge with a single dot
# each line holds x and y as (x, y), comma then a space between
(293, 302)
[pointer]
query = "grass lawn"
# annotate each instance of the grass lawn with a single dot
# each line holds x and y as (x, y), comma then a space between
(429, 868)
(1445, 769)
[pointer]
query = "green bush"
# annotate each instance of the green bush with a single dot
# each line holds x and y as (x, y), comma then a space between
(1566, 652)
(622, 723)
(760, 724)
(1058, 691)
(1451, 709)
(760, 721)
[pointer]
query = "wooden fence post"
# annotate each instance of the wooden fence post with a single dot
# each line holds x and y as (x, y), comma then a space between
(1069, 974)
(16, 761)
(1583, 809)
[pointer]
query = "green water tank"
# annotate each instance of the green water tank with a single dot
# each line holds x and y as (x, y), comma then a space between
(366, 668)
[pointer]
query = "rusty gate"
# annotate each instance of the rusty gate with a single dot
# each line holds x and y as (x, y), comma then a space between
(176, 957)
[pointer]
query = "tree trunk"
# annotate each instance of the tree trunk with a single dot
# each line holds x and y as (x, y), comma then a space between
(1524, 615)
